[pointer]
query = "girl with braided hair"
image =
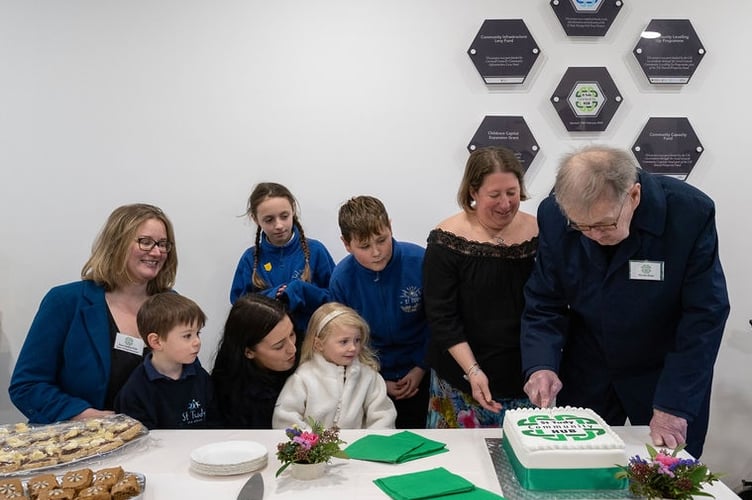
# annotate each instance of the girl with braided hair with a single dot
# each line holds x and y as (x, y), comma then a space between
(283, 263)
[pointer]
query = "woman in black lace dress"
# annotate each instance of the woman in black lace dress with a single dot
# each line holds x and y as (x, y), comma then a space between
(476, 264)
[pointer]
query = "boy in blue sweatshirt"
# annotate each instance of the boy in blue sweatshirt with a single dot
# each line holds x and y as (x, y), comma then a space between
(170, 389)
(382, 279)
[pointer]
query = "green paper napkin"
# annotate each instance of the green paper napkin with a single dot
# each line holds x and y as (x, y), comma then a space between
(431, 483)
(474, 494)
(396, 449)
(426, 447)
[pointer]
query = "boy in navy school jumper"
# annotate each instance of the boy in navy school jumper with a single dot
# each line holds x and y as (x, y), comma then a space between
(382, 279)
(170, 389)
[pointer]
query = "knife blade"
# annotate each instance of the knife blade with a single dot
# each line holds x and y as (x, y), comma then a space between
(253, 489)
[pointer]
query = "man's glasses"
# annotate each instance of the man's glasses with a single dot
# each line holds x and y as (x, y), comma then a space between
(146, 244)
(608, 226)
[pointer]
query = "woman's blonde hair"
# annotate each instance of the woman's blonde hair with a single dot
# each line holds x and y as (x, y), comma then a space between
(324, 321)
(108, 263)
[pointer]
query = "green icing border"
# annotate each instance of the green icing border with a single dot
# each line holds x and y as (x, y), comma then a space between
(564, 479)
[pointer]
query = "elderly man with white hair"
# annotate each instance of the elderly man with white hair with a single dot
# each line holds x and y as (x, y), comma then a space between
(627, 302)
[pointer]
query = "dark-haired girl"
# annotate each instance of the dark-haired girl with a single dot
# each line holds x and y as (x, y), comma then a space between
(256, 355)
(283, 263)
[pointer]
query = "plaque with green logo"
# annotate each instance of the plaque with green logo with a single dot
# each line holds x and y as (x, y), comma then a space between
(586, 99)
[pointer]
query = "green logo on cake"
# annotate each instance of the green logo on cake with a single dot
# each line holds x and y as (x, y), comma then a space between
(560, 427)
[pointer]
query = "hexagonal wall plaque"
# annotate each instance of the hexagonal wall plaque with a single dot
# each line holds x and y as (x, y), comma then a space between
(586, 17)
(669, 51)
(509, 131)
(668, 146)
(503, 51)
(586, 99)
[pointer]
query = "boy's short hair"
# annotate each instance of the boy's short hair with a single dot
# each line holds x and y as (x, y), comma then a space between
(162, 312)
(361, 217)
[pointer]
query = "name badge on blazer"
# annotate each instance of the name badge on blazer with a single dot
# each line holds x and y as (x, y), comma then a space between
(648, 270)
(129, 344)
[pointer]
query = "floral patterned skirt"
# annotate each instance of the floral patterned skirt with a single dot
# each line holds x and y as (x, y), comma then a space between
(449, 407)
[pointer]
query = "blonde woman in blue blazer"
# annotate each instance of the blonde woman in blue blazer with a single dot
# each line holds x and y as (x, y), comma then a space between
(83, 342)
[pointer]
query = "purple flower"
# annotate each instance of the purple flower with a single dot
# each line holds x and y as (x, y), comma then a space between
(637, 459)
(666, 475)
(310, 446)
(664, 470)
(293, 431)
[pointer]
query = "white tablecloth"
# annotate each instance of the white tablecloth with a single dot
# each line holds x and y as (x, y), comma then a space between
(164, 458)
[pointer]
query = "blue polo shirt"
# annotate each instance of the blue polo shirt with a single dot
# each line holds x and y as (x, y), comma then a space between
(160, 402)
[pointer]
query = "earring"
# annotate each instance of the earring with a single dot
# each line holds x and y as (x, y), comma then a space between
(472, 203)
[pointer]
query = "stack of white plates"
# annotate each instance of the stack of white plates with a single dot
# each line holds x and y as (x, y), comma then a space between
(226, 458)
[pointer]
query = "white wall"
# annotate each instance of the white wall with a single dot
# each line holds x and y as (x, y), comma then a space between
(187, 104)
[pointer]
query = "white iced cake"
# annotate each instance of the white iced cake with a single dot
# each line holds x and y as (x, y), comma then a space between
(563, 449)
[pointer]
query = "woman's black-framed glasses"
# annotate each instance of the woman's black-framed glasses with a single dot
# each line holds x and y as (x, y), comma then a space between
(146, 244)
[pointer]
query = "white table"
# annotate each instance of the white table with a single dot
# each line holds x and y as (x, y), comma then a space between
(164, 459)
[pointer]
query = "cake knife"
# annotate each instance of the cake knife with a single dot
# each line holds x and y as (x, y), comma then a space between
(253, 489)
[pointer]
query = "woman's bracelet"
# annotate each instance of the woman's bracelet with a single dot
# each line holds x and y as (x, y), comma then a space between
(474, 368)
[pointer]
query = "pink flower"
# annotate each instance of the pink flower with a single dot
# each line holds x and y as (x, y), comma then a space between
(666, 476)
(309, 447)
(306, 439)
(666, 460)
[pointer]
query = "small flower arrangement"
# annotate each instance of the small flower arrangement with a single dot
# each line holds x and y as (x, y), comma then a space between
(309, 446)
(665, 475)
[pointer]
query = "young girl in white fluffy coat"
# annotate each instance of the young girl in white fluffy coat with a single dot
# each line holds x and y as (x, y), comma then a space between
(337, 382)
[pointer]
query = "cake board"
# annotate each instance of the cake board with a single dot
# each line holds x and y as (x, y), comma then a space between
(512, 490)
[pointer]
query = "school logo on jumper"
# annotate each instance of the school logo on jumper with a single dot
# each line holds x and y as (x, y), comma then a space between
(411, 298)
(560, 427)
(586, 99)
(194, 413)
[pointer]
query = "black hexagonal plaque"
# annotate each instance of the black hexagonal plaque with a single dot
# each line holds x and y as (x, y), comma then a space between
(586, 17)
(668, 146)
(503, 51)
(586, 99)
(509, 131)
(669, 51)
